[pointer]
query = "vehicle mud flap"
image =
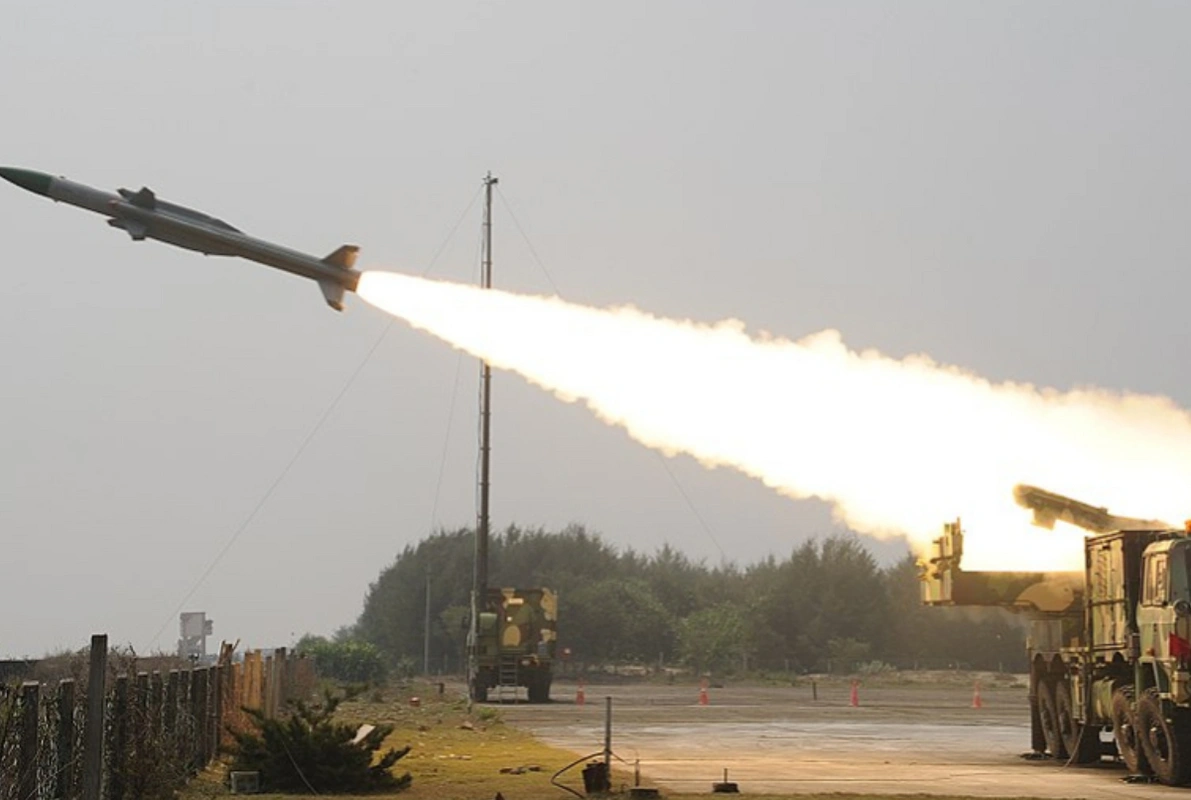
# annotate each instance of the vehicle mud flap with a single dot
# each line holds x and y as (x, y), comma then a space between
(1037, 738)
(1125, 732)
(537, 688)
(1167, 742)
(1048, 714)
(1082, 742)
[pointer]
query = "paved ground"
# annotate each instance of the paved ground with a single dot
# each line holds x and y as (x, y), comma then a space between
(922, 737)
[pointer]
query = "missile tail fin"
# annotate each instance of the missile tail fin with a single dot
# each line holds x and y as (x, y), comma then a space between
(344, 257)
(333, 292)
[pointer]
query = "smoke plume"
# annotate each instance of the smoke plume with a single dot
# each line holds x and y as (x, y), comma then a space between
(896, 446)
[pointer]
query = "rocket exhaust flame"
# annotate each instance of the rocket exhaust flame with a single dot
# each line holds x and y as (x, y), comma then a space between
(896, 446)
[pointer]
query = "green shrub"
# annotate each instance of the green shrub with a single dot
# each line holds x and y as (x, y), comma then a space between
(352, 661)
(308, 753)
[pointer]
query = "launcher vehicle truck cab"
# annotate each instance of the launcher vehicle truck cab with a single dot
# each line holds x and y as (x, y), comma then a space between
(1109, 647)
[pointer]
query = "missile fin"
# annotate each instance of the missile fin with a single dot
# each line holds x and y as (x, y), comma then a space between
(142, 199)
(334, 294)
(136, 230)
(344, 257)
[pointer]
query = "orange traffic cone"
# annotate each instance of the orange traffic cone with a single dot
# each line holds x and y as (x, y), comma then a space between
(976, 701)
(580, 697)
(854, 701)
(703, 698)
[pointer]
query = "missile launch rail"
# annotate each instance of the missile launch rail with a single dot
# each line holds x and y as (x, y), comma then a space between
(1109, 647)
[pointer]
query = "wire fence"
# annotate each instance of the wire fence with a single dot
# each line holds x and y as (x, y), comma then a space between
(138, 735)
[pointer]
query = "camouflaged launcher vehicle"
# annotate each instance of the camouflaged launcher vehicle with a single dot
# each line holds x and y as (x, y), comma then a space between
(514, 644)
(1109, 647)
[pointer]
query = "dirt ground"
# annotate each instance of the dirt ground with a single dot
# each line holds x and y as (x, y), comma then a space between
(919, 736)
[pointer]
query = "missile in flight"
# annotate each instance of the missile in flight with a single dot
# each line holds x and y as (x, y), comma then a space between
(143, 216)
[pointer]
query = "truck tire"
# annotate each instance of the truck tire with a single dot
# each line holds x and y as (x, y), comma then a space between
(479, 691)
(1166, 742)
(1048, 714)
(1082, 742)
(1124, 731)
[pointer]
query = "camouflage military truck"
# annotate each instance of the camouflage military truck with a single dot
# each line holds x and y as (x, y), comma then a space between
(514, 644)
(1109, 647)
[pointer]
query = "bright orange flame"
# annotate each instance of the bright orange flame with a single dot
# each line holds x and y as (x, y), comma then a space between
(897, 446)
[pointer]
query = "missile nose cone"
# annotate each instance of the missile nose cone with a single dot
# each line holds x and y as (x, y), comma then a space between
(36, 182)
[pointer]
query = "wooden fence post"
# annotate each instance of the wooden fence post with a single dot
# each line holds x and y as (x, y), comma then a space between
(93, 723)
(229, 709)
(279, 682)
(27, 754)
(192, 726)
(156, 705)
(184, 726)
(203, 717)
(64, 785)
(267, 689)
(254, 698)
(169, 712)
(140, 716)
(119, 757)
(216, 709)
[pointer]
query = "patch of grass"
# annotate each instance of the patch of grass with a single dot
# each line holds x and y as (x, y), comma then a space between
(454, 754)
(450, 761)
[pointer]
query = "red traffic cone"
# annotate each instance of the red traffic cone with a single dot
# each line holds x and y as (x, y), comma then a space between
(854, 700)
(976, 701)
(703, 698)
(580, 697)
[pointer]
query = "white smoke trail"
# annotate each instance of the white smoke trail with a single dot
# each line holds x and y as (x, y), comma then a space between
(897, 446)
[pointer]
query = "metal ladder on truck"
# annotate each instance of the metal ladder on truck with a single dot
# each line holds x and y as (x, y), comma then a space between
(506, 685)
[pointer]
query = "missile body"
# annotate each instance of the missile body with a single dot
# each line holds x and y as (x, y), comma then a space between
(143, 216)
(1049, 508)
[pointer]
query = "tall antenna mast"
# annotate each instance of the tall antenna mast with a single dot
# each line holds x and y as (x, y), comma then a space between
(480, 575)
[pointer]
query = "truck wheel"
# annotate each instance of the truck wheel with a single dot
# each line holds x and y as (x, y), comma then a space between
(1048, 714)
(1082, 742)
(1124, 730)
(1166, 742)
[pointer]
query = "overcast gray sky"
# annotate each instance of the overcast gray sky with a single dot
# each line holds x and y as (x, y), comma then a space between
(1004, 186)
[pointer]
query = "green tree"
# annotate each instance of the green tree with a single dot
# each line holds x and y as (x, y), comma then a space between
(617, 620)
(713, 639)
(922, 636)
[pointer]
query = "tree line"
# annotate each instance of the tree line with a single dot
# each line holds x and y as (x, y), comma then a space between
(827, 607)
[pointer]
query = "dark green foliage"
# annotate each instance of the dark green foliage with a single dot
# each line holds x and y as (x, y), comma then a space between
(621, 618)
(828, 606)
(353, 661)
(307, 752)
(713, 639)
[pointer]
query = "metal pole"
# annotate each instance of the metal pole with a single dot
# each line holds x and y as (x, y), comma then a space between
(608, 736)
(481, 566)
(426, 637)
(479, 586)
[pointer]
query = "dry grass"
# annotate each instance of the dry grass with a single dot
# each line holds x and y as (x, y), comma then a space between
(454, 754)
